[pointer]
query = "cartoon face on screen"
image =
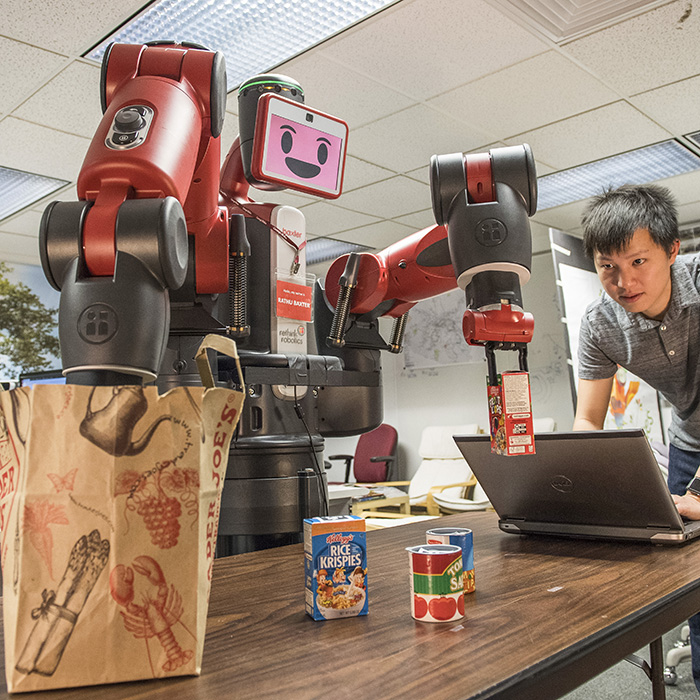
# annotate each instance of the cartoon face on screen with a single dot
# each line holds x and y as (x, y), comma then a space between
(303, 152)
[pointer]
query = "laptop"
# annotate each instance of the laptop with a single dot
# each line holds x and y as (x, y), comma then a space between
(601, 484)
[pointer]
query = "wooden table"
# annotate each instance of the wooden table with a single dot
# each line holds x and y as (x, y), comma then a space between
(548, 614)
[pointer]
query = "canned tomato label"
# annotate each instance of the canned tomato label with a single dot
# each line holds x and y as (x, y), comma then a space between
(464, 538)
(437, 585)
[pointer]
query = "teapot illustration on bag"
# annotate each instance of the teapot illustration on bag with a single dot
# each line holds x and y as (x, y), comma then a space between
(111, 428)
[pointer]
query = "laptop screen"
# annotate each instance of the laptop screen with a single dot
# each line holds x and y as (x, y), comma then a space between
(602, 478)
(53, 376)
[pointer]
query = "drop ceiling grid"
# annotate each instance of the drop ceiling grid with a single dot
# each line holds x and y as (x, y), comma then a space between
(68, 27)
(402, 79)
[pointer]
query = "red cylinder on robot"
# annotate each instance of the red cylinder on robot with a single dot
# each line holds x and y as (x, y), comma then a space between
(415, 268)
(162, 165)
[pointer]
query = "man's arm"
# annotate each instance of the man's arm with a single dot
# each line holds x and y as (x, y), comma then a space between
(592, 403)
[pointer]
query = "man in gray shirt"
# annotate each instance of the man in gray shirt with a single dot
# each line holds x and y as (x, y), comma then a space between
(648, 321)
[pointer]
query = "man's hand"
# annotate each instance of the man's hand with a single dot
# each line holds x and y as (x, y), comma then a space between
(688, 506)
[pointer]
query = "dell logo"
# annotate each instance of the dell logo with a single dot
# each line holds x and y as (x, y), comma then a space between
(562, 484)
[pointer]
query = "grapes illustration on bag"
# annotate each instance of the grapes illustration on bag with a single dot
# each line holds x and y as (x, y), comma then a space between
(158, 497)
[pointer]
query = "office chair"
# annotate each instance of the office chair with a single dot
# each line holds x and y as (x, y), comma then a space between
(443, 470)
(374, 456)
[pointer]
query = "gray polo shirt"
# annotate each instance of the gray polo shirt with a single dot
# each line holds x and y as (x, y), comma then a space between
(665, 354)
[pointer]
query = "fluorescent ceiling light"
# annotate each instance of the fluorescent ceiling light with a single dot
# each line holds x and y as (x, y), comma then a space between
(638, 167)
(254, 35)
(320, 250)
(19, 189)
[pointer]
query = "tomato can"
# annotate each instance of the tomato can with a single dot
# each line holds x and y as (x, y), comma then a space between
(437, 584)
(464, 538)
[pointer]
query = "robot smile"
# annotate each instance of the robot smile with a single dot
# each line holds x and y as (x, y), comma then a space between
(301, 168)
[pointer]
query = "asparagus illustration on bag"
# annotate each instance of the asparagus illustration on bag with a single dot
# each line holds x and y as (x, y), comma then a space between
(58, 613)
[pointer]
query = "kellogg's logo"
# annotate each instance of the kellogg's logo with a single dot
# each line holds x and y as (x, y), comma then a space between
(339, 537)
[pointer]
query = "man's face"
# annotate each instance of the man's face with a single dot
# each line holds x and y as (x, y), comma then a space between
(638, 278)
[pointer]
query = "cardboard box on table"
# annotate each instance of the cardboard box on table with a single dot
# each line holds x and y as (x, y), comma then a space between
(109, 509)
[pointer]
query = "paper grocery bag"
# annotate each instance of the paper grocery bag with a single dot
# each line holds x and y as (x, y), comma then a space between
(109, 508)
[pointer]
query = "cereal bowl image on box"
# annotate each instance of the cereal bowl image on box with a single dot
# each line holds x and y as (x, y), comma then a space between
(343, 603)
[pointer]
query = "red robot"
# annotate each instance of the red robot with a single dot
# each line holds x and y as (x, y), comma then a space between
(162, 249)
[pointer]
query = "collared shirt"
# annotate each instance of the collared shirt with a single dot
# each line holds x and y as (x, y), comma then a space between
(665, 354)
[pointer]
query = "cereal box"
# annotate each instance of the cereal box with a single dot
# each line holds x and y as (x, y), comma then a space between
(335, 567)
(510, 415)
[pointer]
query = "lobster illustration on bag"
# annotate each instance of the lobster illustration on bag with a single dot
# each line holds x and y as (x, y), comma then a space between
(160, 608)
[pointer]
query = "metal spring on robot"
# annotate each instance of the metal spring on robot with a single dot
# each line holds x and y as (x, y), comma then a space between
(340, 318)
(238, 297)
(397, 333)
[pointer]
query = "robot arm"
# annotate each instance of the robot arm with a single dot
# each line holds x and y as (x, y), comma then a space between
(482, 244)
(149, 178)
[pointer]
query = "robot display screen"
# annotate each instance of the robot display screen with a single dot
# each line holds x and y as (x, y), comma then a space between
(299, 147)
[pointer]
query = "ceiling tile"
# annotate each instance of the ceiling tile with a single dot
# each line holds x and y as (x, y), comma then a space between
(676, 107)
(596, 134)
(685, 188)
(389, 199)
(377, 236)
(689, 214)
(24, 69)
(15, 248)
(422, 173)
(38, 149)
(425, 48)
(407, 140)
(359, 173)
(418, 220)
(67, 194)
(325, 219)
(67, 26)
(565, 218)
(26, 223)
(334, 88)
(540, 90)
(56, 104)
(644, 52)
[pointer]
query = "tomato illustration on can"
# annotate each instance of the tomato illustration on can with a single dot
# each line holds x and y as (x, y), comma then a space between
(437, 584)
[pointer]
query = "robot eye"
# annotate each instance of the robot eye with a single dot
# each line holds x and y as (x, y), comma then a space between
(322, 153)
(287, 141)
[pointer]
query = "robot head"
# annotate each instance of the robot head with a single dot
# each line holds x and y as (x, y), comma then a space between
(289, 144)
(298, 147)
(248, 95)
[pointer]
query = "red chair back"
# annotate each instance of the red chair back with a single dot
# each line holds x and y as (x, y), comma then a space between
(380, 442)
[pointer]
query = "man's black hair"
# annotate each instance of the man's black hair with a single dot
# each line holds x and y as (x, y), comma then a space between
(610, 220)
